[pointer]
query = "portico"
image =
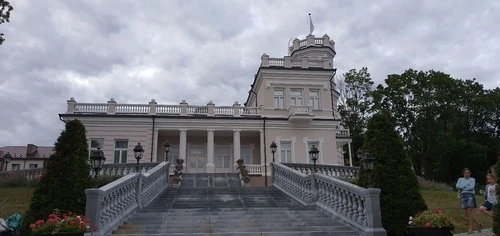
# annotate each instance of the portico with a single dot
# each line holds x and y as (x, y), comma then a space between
(212, 150)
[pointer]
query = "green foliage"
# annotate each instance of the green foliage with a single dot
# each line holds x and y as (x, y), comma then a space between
(66, 177)
(446, 124)
(400, 193)
(103, 180)
(435, 218)
(5, 9)
(354, 105)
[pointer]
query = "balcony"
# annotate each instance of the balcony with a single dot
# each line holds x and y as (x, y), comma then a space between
(153, 108)
(300, 114)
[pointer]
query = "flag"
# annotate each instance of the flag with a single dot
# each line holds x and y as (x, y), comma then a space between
(311, 26)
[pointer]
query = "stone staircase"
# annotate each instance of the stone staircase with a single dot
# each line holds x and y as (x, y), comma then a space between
(227, 210)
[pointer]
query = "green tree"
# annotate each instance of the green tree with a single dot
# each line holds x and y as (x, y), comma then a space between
(65, 179)
(354, 105)
(5, 9)
(400, 192)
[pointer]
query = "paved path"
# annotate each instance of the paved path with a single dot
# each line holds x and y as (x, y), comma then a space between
(484, 232)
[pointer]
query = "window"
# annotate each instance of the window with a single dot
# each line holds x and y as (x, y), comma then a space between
(309, 146)
(314, 99)
(222, 155)
(173, 154)
(296, 97)
(246, 155)
(279, 98)
(33, 166)
(120, 155)
(16, 166)
(286, 151)
(95, 143)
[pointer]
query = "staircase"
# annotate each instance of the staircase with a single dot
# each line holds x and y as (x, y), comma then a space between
(216, 204)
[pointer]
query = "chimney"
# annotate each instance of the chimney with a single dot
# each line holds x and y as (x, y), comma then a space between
(31, 150)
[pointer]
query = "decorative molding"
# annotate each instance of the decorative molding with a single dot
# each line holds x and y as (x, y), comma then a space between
(309, 84)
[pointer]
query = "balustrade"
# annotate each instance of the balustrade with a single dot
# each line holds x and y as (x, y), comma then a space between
(346, 173)
(168, 109)
(108, 206)
(254, 169)
(357, 206)
(344, 133)
(91, 108)
(132, 108)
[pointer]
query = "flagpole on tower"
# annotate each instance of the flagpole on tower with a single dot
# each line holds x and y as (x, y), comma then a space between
(311, 25)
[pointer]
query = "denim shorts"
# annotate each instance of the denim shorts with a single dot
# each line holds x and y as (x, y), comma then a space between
(468, 200)
(488, 205)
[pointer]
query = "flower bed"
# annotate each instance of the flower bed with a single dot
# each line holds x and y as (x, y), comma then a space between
(61, 223)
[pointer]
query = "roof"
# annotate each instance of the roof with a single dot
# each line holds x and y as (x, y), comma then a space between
(22, 151)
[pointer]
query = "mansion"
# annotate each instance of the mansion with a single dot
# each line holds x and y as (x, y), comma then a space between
(291, 102)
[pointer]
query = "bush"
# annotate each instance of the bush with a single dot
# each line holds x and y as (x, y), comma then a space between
(67, 176)
(400, 193)
(103, 180)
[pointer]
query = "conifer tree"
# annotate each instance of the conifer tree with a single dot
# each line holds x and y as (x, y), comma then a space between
(66, 177)
(400, 192)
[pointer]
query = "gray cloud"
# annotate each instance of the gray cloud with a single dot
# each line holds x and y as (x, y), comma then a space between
(199, 50)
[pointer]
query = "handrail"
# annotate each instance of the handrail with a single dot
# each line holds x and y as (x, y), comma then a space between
(356, 206)
(108, 206)
(347, 173)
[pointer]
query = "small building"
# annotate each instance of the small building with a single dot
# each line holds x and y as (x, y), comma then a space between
(24, 157)
(292, 102)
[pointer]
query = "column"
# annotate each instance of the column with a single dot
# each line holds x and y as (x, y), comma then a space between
(182, 144)
(262, 151)
(210, 151)
(154, 156)
(350, 153)
(237, 145)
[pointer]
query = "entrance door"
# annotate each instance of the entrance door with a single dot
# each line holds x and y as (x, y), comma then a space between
(197, 159)
(223, 159)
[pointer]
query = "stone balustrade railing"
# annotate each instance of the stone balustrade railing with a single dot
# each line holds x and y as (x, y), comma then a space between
(153, 108)
(299, 110)
(342, 133)
(107, 207)
(255, 169)
(356, 206)
(311, 41)
(346, 173)
(114, 169)
(289, 62)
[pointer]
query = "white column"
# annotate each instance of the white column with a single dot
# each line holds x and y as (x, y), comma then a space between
(262, 151)
(155, 146)
(237, 145)
(182, 144)
(350, 153)
(210, 151)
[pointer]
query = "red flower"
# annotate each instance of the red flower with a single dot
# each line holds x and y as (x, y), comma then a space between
(427, 224)
(32, 226)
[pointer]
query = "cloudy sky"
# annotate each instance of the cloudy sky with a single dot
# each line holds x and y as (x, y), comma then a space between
(202, 50)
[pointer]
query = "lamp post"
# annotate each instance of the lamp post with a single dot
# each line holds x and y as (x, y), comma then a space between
(138, 152)
(7, 158)
(313, 154)
(367, 162)
(273, 149)
(166, 147)
(97, 160)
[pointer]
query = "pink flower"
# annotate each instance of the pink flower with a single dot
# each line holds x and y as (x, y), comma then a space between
(427, 224)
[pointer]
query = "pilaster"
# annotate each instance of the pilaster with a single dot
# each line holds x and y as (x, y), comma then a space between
(210, 151)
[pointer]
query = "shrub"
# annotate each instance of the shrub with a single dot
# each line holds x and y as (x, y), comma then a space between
(14, 180)
(67, 176)
(428, 218)
(57, 222)
(400, 193)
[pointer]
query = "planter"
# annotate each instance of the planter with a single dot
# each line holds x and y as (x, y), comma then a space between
(429, 231)
(61, 234)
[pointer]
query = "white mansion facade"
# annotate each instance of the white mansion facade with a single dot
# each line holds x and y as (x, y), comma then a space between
(292, 102)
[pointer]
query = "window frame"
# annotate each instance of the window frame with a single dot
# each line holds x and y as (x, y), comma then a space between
(294, 98)
(279, 100)
(122, 157)
(316, 99)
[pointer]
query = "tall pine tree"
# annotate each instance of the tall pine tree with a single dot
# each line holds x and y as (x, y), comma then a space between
(65, 179)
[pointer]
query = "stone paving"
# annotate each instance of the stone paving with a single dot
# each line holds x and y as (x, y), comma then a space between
(484, 232)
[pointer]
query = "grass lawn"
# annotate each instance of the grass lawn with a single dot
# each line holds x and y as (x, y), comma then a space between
(447, 200)
(14, 200)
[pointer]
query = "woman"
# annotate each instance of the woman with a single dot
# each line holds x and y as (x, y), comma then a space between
(467, 198)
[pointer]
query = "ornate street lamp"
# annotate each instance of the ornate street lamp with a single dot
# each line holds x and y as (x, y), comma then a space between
(313, 154)
(367, 162)
(7, 158)
(273, 148)
(138, 152)
(97, 160)
(166, 147)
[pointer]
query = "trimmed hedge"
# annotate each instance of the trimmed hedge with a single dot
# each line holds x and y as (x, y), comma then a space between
(400, 195)
(66, 177)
